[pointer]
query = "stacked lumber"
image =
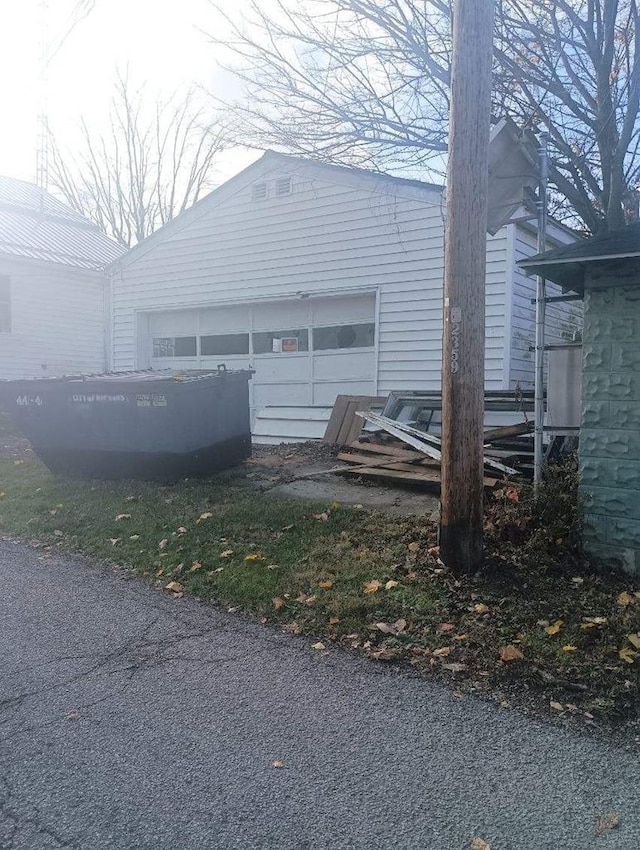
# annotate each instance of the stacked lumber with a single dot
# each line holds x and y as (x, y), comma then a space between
(399, 452)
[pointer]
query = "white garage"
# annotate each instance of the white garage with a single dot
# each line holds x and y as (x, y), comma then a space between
(304, 352)
(325, 280)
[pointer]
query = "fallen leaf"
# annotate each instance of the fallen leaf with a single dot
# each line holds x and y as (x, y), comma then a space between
(454, 667)
(607, 822)
(53, 511)
(442, 652)
(480, 844)
(569, 647)
(254, 556)
(413, 547)
(181, 530)
(625, 599)
(628, 655)
(634, 640)
(400, 625)
(174, 587)
(481, 608)
(512, 494)
(577, 580)
(556, 706)
(335, 506)
(115, 540)
(333, 621)
(318, 645)
(163, 544)
(292, 628)
(325, 585)
(510, 653)
(278, 603)
(273, 566)
(58, 533)
(323, 517)
(391, 584)
(72, 715)
(120, 517)
(597, 621)
(195, 566)
(554, 628)
(303, 597)
(287, 527)
(460, 637)
(18, 462)
(372, 586)
(446, 627)
(135, 537)
(205, 515)
(227, 553)
(277, 763)
(586, 626)
(2, 494)
(386, 628)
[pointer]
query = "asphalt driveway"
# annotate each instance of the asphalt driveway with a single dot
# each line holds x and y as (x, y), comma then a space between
(132, 720)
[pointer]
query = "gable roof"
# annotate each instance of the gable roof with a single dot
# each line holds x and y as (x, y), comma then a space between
(567, 265)
(267, 160)
(37, 226)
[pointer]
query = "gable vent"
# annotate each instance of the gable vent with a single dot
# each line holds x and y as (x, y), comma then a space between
(259, 192)
(283, 186)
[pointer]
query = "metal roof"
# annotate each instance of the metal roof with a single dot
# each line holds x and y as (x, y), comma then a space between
(567, 265)
(37, 226)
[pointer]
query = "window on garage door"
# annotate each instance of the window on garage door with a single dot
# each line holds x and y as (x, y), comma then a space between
(289, 341)
(174, 346)
(337, 337)
(220, 345)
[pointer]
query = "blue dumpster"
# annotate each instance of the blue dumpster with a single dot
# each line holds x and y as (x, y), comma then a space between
(151, 425)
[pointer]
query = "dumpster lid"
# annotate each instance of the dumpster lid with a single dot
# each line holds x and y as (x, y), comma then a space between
(146, 375)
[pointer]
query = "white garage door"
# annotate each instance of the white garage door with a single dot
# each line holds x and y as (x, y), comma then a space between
(304, 352)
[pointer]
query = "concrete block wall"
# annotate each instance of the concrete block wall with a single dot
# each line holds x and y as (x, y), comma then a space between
(610, 433)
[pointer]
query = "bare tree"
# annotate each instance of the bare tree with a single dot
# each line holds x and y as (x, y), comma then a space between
(147, 170)
(368, 81)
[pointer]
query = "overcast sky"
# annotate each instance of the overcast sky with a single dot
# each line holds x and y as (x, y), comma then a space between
(158, 40)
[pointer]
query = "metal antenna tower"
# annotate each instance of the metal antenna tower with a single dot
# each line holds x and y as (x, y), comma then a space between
(42, 138)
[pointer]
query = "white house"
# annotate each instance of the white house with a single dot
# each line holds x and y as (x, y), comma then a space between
(323, 279)
(53, 289)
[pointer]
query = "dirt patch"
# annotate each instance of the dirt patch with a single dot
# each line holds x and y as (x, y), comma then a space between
(301, 470)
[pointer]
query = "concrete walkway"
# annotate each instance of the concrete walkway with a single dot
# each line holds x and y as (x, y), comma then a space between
(131, 720)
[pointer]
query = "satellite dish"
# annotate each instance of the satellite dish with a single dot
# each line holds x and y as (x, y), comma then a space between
(513, 167)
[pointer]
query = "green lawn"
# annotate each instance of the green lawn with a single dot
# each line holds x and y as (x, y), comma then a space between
(342, 574)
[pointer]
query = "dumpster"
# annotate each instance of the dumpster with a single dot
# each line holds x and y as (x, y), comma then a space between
(151, 425)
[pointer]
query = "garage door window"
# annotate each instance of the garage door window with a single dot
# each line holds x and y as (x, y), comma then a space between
(344, 336)
(174, 346)
(284, 342)
(223, 344)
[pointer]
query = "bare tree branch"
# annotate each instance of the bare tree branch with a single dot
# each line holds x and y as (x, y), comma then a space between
(368, 81)
(146, 170)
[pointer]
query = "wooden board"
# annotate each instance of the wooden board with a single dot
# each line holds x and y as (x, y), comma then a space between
(507, 431)
(344, 426)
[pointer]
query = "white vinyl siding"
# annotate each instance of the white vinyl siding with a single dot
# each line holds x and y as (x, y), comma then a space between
(57, 321)
(331, 236)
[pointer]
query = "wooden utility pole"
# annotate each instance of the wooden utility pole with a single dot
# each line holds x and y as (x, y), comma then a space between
(463, 348)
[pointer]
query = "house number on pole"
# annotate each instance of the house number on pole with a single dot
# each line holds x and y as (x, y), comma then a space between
(455, 315)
